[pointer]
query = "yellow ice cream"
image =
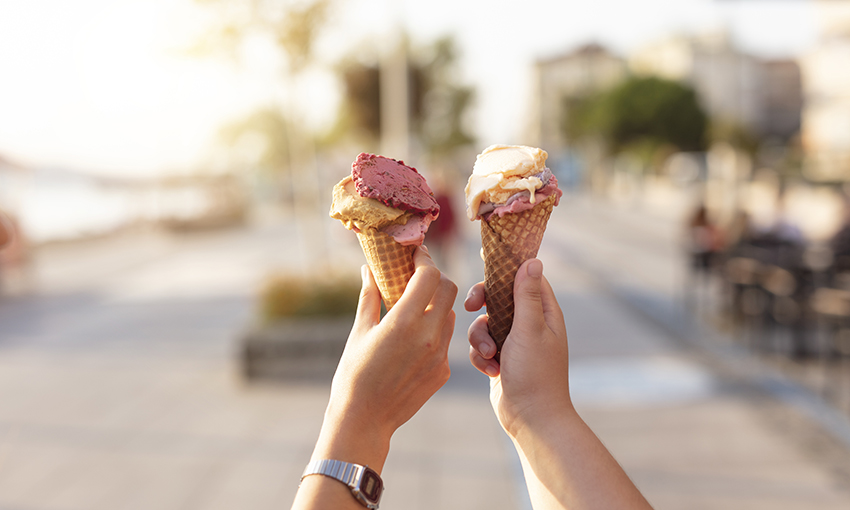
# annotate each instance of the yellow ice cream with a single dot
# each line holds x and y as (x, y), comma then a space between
(359, 213)
(502, 171)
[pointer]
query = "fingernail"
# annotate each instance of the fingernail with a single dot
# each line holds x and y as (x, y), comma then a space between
(491, 371)
(535, 268)
(364, 275)
(425, 248)
(484, 349)
(468, 295)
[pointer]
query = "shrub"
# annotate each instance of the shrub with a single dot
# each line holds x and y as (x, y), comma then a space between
(289, 296)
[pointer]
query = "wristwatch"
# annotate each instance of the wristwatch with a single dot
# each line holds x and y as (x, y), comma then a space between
(365, 484)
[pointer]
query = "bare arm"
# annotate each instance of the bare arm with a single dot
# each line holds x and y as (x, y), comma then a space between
(389, 369)
(565, 464)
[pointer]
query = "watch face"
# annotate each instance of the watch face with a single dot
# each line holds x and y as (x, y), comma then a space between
(371, 485)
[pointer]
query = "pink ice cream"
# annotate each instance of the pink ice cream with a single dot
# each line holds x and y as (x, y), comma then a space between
(522, 201)
(394, 184)
(386, 195)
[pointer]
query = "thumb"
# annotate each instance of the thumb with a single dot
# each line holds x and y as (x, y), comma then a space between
(528, 303)
(369, 304)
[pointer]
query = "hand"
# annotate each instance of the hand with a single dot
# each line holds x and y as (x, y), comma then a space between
(387, 372)
(391, 367)
(531, 384)
(565, 464)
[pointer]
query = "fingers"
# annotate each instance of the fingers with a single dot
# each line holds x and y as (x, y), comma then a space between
(443, 299)
(448, 331)
(551, 309)
(421, 287)
(369, 304)
(528, 301)
(482, 347)
(474, 298)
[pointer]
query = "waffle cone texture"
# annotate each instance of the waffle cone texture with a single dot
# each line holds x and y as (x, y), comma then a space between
(506, 243)
(391, 263)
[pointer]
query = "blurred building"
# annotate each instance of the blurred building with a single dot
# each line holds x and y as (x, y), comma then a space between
(737, 89)
(564, 80)
(782, 99)
(826, 79)
(764, 97)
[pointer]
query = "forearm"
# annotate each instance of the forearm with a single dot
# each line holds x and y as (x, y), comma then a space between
(343, 439)
(541, 498)
(568, 467)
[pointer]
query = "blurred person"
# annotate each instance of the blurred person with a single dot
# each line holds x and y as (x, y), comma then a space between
(782, 244)
(381, 382)
(13, 249)
(703, 243)
(784, 229)
(5, 230)
(839, 243)
(442, 231)
(739, 233)
(13, 244)
(703, 239)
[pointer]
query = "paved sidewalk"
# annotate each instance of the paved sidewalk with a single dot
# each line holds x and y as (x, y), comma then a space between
(118, 387)
(691, 427)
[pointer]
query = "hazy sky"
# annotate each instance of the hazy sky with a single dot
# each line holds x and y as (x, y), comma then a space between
(102, 85)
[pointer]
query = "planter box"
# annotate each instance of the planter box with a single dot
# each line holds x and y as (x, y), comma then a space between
(294, 349)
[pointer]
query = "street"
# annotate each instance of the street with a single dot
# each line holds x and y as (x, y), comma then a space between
(119, 387)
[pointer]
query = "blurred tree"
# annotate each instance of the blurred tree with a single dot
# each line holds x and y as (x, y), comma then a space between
(440, 114)
(438, 103)
(293, 26)
(267, 126)
(734, 134)
(297, 29)
(645, 116)
(360, 112)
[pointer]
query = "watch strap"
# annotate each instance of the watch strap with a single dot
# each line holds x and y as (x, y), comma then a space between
(346, 472)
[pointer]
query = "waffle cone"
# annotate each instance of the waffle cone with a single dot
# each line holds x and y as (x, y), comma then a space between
(506, 243)
(391, 263)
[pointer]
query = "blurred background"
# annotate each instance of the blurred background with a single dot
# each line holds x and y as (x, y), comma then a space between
(174, 296)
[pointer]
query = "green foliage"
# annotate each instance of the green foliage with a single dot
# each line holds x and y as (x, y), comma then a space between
(647, 111)
(735, 135)
(288, 296)
(293, 25)
(444, 103)
(438, 103)
(297, 30)
(267, 125)
(362, 105)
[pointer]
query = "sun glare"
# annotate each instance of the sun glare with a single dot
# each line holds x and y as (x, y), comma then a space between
(106, 86)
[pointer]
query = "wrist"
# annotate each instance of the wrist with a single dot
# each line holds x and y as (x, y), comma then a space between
(552, 422)
(347, 437)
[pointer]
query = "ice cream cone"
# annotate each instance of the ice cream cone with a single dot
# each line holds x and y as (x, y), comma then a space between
(391, 263)
(507, 242)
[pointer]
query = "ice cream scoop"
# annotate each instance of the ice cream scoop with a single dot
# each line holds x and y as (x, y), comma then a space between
(390, 206)
(512, 192)
(386, 195)
(505, 174)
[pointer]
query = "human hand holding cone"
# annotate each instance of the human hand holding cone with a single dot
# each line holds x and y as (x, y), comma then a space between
(506, 243)
(390, 206)
(512, 192)
(391, 263)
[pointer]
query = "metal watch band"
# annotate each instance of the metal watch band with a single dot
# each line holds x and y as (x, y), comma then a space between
(346, 472)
